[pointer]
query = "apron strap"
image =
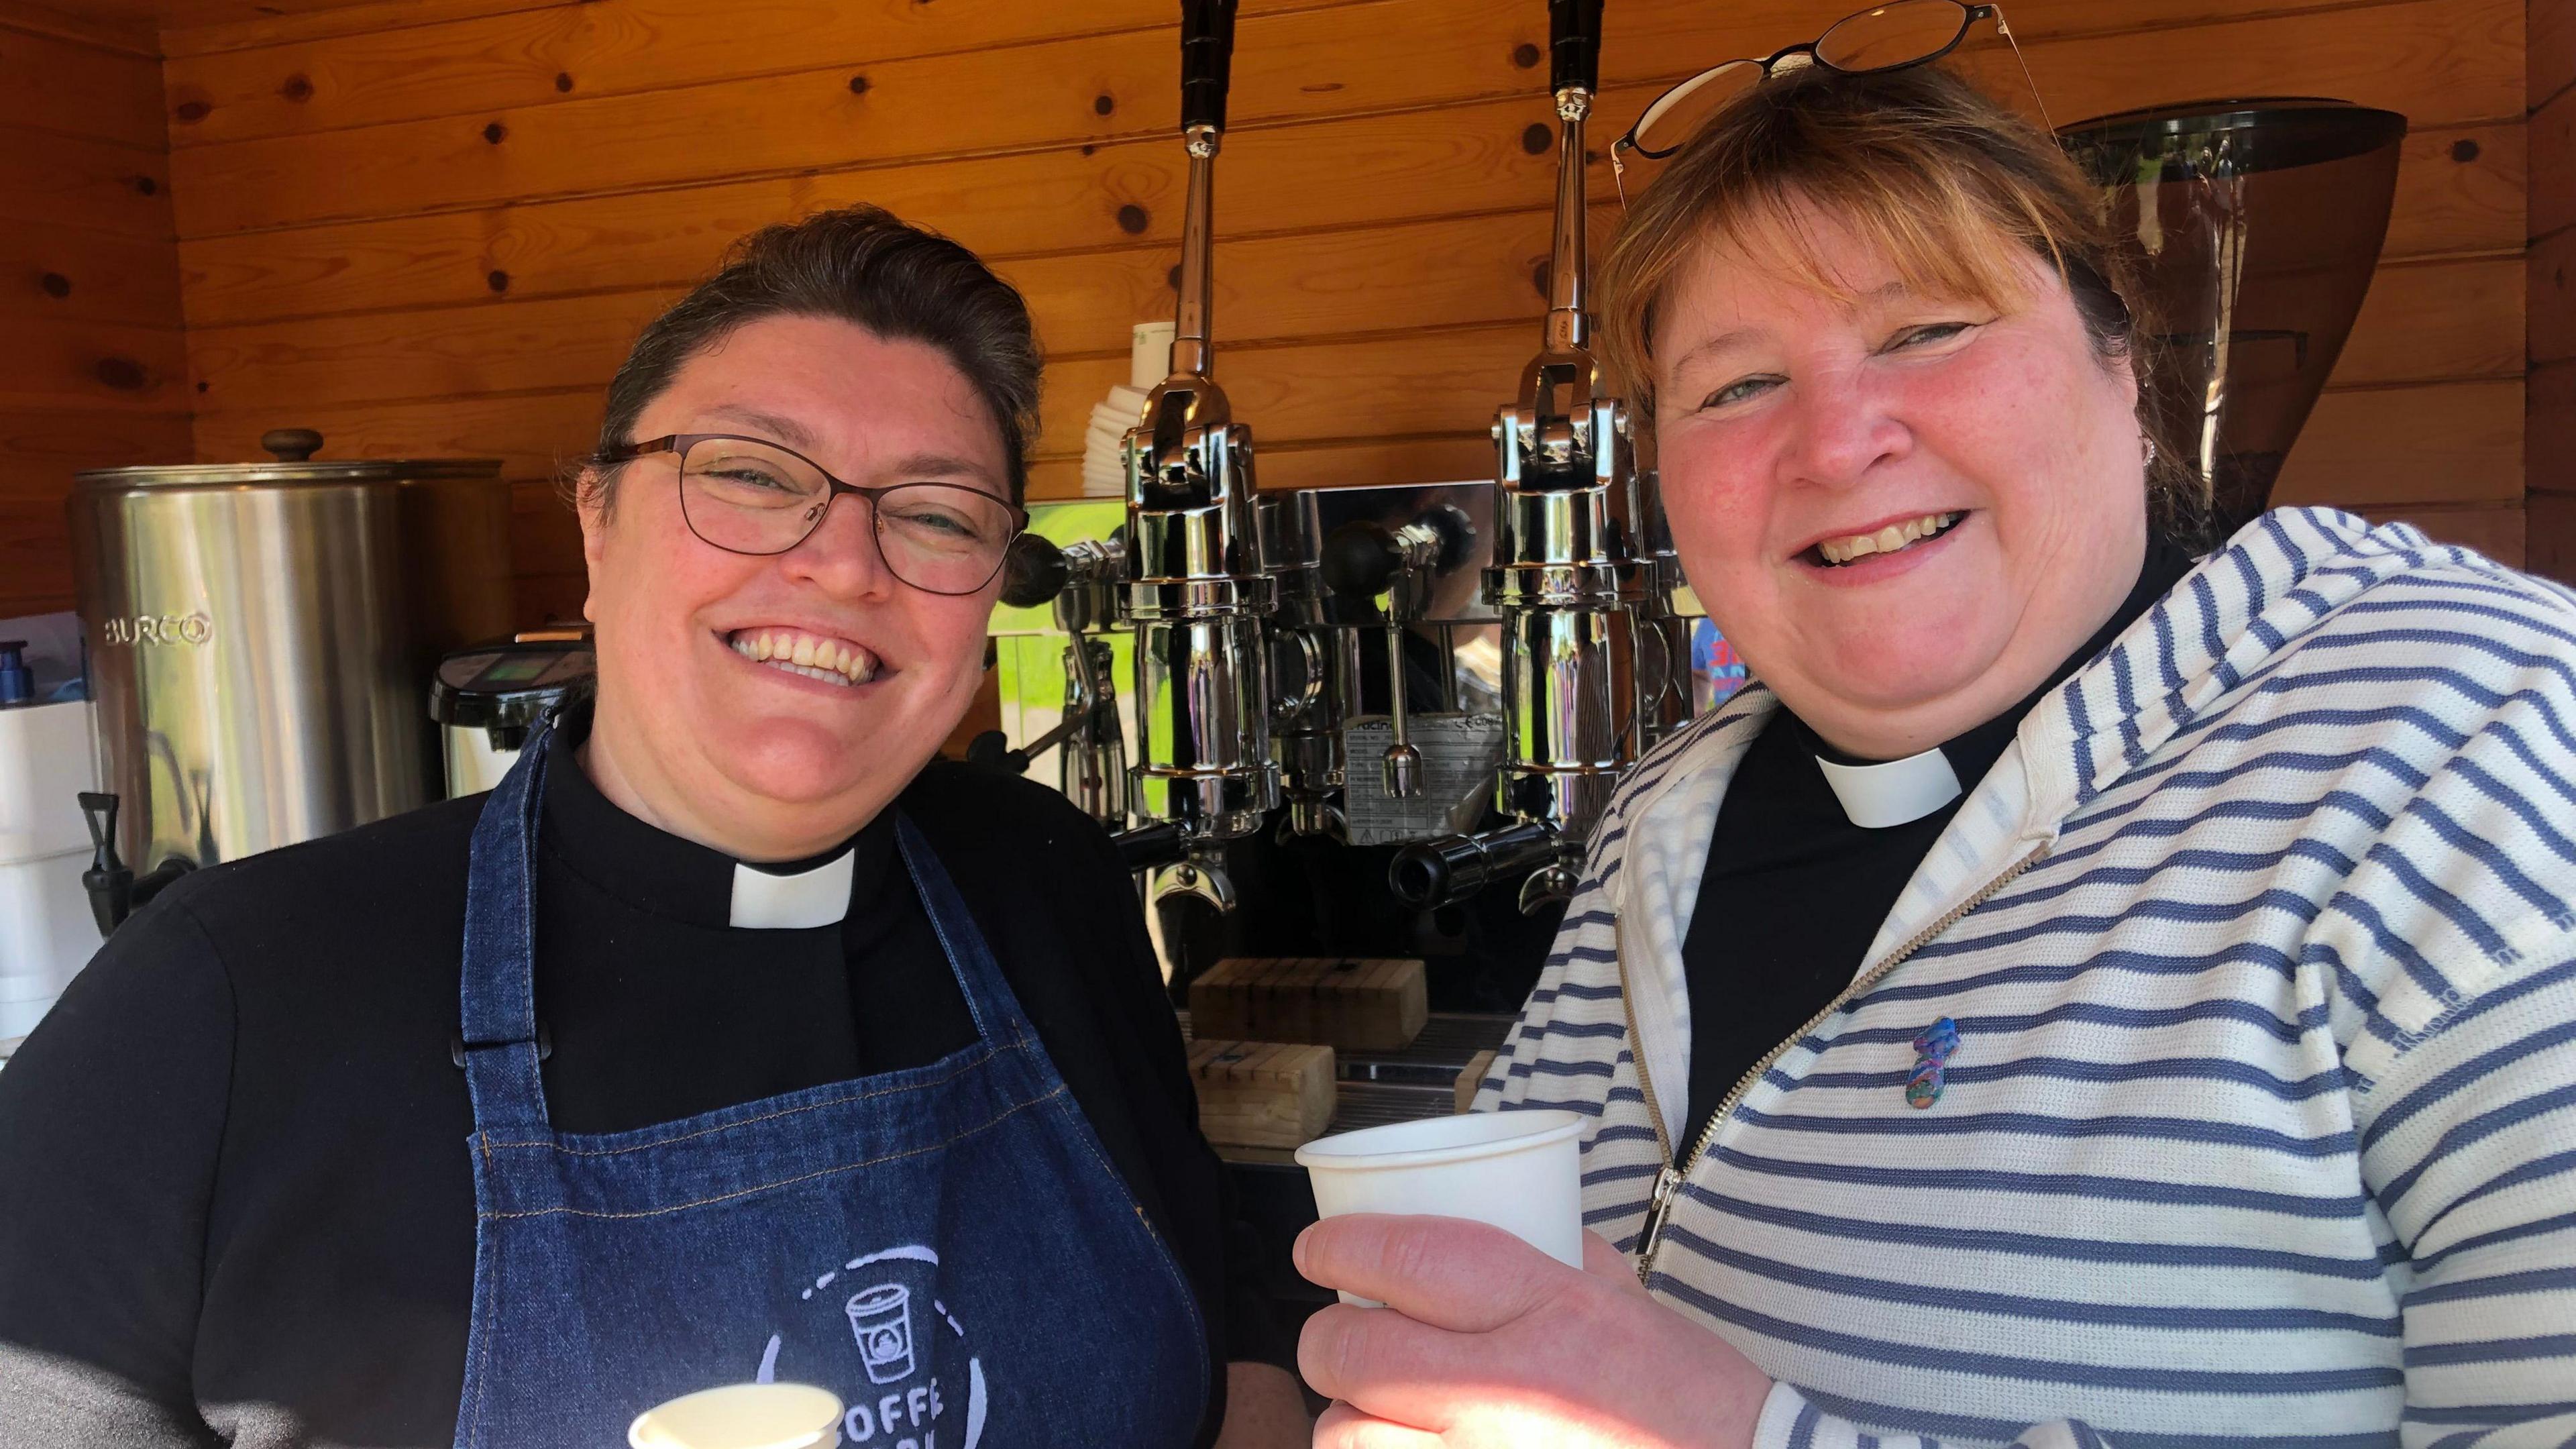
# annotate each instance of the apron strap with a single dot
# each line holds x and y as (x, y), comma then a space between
(998, 1018)
(499, 1042)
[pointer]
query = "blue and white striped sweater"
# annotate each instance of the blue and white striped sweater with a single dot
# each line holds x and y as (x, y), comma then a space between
(2262, 1124)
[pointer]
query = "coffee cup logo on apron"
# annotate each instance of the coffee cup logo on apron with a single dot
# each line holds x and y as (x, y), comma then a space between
(884, 1304)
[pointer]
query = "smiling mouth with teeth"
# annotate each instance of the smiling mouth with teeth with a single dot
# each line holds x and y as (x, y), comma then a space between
(828, 661)
(1835, 552)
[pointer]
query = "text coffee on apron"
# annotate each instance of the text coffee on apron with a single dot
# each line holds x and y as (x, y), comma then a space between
(947, 1248)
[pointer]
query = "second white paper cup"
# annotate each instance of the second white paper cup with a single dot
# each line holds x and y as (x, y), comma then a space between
(1520, 1171)
(742, 1416)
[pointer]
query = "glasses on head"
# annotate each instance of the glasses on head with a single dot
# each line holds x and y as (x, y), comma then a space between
(1882, 38)
(752, 496)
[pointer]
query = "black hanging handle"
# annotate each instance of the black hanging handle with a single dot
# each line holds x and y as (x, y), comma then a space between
(1574, 45)
(1207, 55)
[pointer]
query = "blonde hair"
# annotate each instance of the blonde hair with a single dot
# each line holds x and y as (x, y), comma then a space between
(1922, 168)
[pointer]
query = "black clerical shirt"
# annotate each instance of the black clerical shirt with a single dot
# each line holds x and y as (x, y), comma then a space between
(1793, 891)
(235, 1200)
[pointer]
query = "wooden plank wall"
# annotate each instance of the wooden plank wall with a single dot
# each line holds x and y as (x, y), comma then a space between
(92, 370)
(2549, 432)
(434, 227)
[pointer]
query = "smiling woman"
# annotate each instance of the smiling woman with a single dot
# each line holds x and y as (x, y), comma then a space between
(2076, 991)
(730, 1038)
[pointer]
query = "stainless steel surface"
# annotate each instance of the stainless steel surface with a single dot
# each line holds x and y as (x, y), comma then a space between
(262, 639)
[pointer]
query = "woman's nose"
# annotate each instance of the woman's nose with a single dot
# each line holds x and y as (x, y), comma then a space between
(840, 556)
(1843, 430)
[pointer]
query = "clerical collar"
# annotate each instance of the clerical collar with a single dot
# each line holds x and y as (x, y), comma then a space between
(661, 874)
(1878, 795)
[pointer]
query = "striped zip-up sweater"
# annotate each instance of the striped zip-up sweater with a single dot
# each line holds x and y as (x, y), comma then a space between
(2260, 942)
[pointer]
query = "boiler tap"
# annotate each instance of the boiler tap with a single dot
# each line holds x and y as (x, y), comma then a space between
(1321, 659)
(1199, 596)
(1079, 580)
(1366, 559)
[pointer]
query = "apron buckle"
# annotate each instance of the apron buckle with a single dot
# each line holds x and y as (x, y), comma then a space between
(457, 1046)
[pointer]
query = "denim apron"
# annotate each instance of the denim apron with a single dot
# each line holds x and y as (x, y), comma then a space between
(947, 1247)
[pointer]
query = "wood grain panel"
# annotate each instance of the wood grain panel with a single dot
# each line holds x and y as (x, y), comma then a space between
(76, 89)
(2549, 429)
(2373, 446)
(2464, 56)
(196, 37)
(95, 185)
(77, 364)
(1331, 175)
(2549, 536)
(40, 451)
(2551, 277)
(520, 56)
(2428, 321)
(2553, 165)
(127, 34)
(2552, 42)
(55, 272)
(2493, 529)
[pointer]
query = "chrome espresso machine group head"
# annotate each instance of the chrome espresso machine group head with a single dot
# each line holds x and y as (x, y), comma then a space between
(1199, 593)
(1572, 576)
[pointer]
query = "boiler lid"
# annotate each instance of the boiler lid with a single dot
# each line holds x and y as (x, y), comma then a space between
(293, 463)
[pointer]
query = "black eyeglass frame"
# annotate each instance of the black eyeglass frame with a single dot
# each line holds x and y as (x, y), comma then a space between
(678, 445)
(1969, 16)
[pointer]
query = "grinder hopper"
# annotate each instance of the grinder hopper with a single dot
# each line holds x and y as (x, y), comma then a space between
(2259, 223)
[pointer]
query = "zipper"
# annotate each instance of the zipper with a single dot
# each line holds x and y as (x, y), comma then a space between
(1669, 1178)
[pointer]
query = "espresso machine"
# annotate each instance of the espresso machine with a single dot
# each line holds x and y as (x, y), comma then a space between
(1362, 721)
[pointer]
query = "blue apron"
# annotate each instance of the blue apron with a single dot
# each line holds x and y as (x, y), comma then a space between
(947, 1247)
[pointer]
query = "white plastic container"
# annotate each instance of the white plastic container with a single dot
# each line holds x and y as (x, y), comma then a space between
(48, 755)
(1520, 1171)
(742, 1416)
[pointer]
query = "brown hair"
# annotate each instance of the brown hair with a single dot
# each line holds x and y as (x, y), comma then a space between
(860, 264)
(1921, 166)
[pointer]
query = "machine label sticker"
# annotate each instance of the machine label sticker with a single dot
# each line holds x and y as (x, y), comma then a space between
(194, 628)
(883, 1304)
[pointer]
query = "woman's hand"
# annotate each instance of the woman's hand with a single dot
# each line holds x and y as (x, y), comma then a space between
(1486, 1341)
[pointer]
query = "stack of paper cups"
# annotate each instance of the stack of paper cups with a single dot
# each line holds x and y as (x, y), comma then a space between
(1149, 361)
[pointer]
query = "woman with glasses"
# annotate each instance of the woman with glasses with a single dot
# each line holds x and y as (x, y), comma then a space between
(729, 1039)
(2079, 991)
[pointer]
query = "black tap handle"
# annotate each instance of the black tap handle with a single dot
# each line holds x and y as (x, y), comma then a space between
(1360, 558)
(1207, 53)
(1574, 45)
(1429, 874)
(109, 883)
(1033, 572)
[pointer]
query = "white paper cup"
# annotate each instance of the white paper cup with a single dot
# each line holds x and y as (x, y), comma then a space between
(1520, 1171)
(742, 1416)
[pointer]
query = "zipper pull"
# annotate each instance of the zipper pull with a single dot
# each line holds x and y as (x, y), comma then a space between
(1659, 1207)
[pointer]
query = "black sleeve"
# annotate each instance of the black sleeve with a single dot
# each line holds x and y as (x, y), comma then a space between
(111, 1115)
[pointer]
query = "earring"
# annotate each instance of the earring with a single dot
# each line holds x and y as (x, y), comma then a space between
(2149, 449)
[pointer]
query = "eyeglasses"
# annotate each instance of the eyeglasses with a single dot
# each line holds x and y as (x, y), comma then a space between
(752, 496)
(1882, 38)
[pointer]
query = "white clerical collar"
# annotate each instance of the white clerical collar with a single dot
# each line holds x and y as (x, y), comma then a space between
(764, 901)
(1893, 793)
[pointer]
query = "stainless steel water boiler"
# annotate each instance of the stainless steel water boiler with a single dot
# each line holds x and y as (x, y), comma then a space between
(261, 641)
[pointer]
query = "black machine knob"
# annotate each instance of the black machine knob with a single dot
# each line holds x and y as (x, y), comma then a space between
(992, 750)
(1033, 572)
(1574, 45)
(291, 445)
(1207, 55)
(1361, 558)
